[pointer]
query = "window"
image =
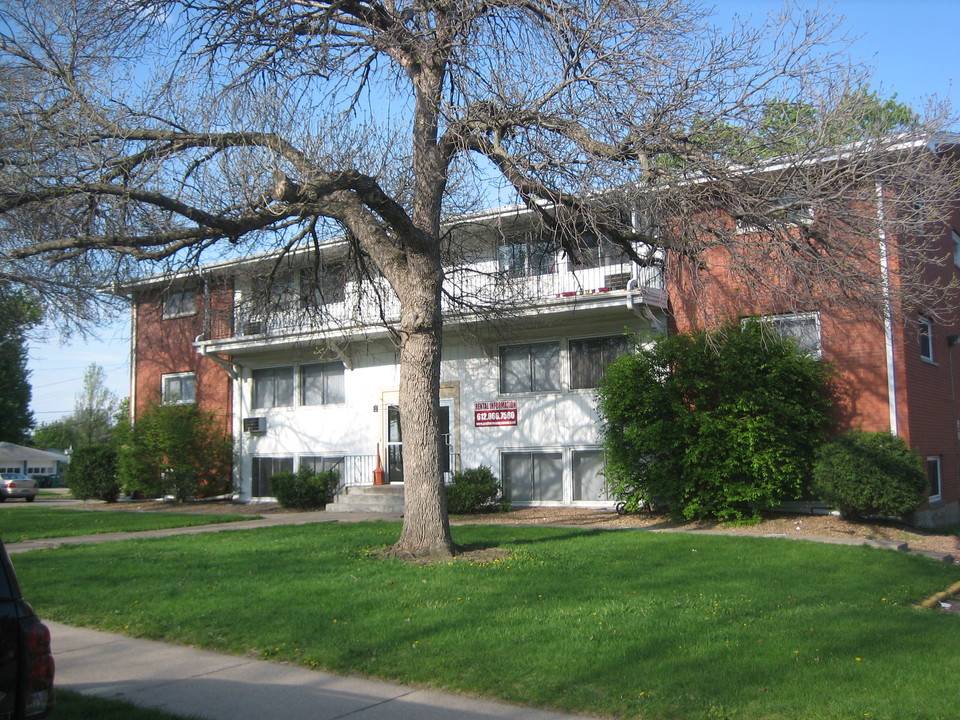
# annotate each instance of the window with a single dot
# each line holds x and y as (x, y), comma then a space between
(532, 367)
(527, 256)
(589, 359)
(933, 476)
(926, 339)
(956, 247)
(322, 463)
(788, 211)
(321, 383)
(265, 468)
(323, 285)
(588, 483)
(597, 251)
(178, 389)
(802, 328)
(180, 303)
(273, 387)
(532, 476)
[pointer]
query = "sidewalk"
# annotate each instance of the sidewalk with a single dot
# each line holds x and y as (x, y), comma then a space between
(295, 518)
(192, 682)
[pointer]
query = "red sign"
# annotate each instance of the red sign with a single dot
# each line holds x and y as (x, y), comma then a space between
(496, 413)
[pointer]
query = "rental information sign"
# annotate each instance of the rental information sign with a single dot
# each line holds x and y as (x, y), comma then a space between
(494, 413)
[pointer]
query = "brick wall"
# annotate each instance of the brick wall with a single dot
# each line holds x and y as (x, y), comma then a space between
(165, 345)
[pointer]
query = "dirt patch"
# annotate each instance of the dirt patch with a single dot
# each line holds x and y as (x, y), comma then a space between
(917, 539)
(831, 526)
(199, 507)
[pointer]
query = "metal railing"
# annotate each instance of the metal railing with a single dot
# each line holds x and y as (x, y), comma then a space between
(481, 285)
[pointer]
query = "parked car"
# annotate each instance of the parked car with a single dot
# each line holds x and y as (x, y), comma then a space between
(14, 485)
(26, 662)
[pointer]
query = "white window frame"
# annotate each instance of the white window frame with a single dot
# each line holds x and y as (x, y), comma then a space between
(327, 462)
(790, 219)
(781, 325)
(170, 397)
(260, 486)
(925, 337)
(604, 340)
(180, 303)
(526, 255)
(274, 372)
(540, 459)
(935, 476)
(555, 373)
(326, 369)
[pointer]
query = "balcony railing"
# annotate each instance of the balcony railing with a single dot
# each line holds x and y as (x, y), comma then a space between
(475, 288)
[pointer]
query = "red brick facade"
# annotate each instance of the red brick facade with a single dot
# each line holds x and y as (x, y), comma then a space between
(863, 351)
(165, 345)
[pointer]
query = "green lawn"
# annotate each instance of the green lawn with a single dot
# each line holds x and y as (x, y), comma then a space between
(632, 624)
(29, 523)
(74, 706)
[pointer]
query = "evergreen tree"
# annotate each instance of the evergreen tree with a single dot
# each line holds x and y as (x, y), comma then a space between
(17, 315)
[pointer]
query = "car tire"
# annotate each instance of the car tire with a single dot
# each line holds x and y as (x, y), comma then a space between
(31, 498)
(3, 498)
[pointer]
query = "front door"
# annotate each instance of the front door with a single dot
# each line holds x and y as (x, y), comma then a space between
(395, 443)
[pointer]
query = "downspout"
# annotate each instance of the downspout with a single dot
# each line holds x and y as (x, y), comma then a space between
(233, 372)
(887, 315)
(633, 284)
(228, 366)
(643, 310)
(134, 344)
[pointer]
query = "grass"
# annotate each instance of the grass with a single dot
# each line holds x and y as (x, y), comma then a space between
(74, 706)
(629, 624)
(29, 523)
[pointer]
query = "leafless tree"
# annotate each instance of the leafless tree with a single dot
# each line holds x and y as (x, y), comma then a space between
(170, 130)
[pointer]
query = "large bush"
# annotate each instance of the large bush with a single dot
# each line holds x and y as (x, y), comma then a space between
(870, 473)
(177, 450)
(720, 425)
(304, 488)
(475, 490)
(93, 473)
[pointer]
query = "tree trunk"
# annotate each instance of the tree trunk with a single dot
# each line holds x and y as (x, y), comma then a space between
(426, 528)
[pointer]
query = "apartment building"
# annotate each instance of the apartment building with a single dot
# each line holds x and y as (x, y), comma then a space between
(295, 355)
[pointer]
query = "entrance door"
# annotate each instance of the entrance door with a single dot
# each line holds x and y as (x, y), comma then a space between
(395, 443)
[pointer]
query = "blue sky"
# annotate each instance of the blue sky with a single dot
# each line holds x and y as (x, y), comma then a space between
(909, 43)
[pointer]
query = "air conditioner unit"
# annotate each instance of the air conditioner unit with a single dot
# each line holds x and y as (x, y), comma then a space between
(255, 425)
(252, 328)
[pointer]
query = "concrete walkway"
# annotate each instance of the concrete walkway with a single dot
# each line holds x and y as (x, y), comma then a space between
(293, 518)
(191, 682)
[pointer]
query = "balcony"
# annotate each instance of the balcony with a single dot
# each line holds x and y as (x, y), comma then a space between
(470, 292)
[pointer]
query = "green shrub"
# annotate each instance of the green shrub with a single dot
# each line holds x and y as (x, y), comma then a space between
(178, 450)
(475, 490)
(869, 473)
(93, 473)
(304, 489)
(721, 425)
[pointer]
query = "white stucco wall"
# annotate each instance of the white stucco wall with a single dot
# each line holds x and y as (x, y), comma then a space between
(563, 422)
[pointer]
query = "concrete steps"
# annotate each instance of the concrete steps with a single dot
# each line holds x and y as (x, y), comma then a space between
(369, 498)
